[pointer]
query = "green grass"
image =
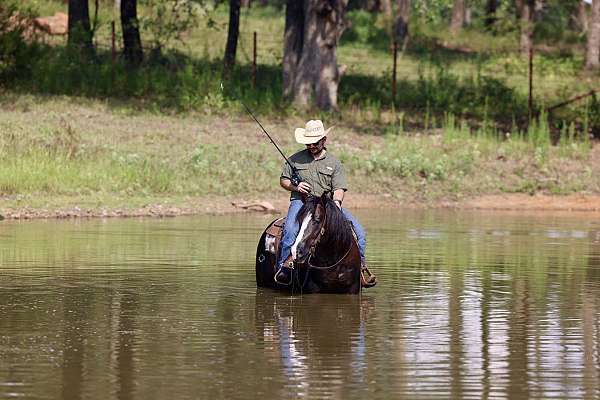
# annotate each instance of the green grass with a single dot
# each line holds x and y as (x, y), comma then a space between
(62, 148)
(458, 126)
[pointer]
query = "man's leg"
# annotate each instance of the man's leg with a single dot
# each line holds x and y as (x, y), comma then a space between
(367, 278)
(360, 234)
(290, 232)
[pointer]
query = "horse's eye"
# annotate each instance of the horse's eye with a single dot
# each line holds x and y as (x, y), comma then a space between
(318, 220)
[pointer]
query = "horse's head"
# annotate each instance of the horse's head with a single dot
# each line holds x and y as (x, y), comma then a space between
(321, 222)
(311, 218)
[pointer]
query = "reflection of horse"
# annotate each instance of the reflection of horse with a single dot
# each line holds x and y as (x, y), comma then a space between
(326, 255)
(302, 345)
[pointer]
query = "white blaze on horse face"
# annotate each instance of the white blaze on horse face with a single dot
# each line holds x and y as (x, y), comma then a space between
(300, 234)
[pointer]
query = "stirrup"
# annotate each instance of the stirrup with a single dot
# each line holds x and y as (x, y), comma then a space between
(367, 278)
(289, 266)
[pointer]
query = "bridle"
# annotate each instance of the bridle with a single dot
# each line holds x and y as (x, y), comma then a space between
(314, 245)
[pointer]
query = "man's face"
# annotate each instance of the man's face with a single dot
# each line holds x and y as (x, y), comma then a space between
(316, 148)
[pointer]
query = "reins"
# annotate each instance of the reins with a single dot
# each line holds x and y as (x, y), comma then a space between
(311, 266)
(314, 246)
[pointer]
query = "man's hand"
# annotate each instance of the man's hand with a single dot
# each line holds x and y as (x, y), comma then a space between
(304, 188)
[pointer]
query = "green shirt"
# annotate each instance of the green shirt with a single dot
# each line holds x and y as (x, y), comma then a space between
(323, 174)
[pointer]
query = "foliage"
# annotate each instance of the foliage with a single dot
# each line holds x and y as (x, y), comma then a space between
(594, 117)
(167, 21)
(365, 30)
(431, 11)
(15, 24)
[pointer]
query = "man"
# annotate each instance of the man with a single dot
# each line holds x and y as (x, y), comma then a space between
(319, 172)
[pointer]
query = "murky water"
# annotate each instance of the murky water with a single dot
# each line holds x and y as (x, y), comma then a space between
(469, 305)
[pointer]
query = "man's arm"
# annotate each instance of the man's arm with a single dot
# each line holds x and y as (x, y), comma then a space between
(339, 184)
(303, 187)
(338, 197)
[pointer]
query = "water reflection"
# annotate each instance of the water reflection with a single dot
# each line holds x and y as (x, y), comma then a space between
(317, 342)
(469, 305)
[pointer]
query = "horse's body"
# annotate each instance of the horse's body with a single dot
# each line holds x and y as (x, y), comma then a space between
(327, 258)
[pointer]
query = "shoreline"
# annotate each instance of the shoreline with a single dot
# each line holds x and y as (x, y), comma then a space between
(277, 205)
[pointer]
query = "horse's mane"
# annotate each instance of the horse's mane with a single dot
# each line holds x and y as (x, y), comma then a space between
(337, 229)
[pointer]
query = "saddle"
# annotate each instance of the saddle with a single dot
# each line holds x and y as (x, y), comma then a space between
(274, 236)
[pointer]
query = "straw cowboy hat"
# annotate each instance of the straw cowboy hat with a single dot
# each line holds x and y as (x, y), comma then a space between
(312, 132)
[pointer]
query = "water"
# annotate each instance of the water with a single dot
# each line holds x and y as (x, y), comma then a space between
(469, 305)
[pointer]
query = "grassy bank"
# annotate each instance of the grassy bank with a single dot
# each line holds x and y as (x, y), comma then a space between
(94, 133)
(65, 151)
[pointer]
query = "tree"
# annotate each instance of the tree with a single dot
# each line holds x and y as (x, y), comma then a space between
(401, 23)
(592, 56)
(317, 73)
(80, 33)
(458, 16)
(132, 43)
(292, 44)
(373, 5)
(386, 9)
(491, 6)
(165, 21)
(582, 16)
(526, 10)
(233, 33)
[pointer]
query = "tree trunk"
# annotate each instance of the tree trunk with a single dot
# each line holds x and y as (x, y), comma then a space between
(245, 3)
(80, 34)
(490, 12)
(592, 56)
(372, 5)
(292, 43)
(332, 24)
(401, 24)
(458, 16)
(580, 20)
(468, 16)
(232, 36)
(132, 43)
(386, 9)
(526, 9)
(318, 72)
(308, 63)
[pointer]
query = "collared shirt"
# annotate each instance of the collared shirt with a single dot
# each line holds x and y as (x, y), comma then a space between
(323, 174)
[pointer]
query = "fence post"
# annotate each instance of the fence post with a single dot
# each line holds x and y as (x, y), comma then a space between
(254, 63)
(113, 46)
(394, 73)
(530, 100)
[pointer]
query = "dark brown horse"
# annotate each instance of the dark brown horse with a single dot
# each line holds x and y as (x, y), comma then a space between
(327, 258)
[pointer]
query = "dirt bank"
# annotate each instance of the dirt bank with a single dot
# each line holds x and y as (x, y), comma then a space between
(278, 204)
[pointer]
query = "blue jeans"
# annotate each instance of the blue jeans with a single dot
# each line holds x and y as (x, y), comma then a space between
(291, 229)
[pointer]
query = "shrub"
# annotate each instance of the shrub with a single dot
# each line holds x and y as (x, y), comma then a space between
(14, 25)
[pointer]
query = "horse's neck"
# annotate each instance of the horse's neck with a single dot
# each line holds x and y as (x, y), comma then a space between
(328, 250)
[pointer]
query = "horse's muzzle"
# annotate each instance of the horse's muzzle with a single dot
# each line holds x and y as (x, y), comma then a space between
(301, 256)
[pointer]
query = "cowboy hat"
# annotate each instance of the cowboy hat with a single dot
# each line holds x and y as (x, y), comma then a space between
(312, 132)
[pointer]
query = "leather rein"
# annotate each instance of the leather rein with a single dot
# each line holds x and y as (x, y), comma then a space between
(313, 248)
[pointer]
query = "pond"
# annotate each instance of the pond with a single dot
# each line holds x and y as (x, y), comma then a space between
(468, 305)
